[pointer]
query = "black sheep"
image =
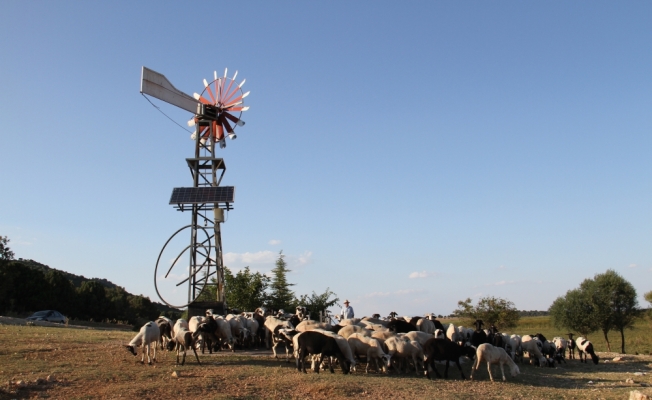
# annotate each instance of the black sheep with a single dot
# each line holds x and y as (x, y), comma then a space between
(317, 343)
(400, 326)
(443, 349)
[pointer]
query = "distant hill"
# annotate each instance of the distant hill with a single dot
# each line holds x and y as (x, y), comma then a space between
(77, 280)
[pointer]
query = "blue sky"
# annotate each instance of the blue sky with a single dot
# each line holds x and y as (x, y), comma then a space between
(406, 155)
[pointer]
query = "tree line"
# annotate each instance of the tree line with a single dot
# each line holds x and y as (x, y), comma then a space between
(247, 290)
(27, 286)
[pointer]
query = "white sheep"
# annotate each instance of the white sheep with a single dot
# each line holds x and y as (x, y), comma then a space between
(401, 349)
(351, 329)
(371, 349)
(452, 334)
(181, 323)
(561, 344)
(375, 321)
(533, 347)
(147, 335)
(183, 340)
(223, 332)
(349, 321)
(309, 325)
(426, 325)
(421, 337)
(584, 347)
(494, 355)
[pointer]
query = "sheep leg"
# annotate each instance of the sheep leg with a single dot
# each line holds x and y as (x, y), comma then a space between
(475, 367)
(287, 353)
(303, 365)
(321, 359)
(142, 356)
(431, 362)
(330, 364)
(416, 364)
(196, 356)
(446, 370)
(502, 370)
(489, 369)
(457, 362)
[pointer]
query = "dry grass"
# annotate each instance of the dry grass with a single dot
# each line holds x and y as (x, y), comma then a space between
(93, 364)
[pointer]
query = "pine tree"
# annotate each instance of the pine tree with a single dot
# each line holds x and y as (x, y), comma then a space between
(281, 297)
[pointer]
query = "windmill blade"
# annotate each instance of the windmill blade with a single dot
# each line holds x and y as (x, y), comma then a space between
(232, 109)
(242, 83)
(192, 121)
(233, 119)
(158, 86)
(226, 124)
(234, 75)
(219, 131)
(228, 89)
(236, 100)
(208, 88)
(225, 69)
(199, 97)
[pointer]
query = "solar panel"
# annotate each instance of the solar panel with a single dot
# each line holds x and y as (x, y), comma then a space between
(199, 195)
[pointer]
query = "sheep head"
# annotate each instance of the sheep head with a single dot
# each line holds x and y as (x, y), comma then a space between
(132, 350)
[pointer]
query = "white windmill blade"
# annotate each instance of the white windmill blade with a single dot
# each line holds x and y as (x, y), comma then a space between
(242, 83)
(246, 94)
(234, 75)
(191, 122)
(215, 74)
(245, 108)
(225, 69)
(205, 83)
(196, 95)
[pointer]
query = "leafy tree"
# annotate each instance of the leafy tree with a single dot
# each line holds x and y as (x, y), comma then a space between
(21, 288)
(93, 303)
(574, 311)
(245, 290)
(491, 310)
(598, 296)
(280, 297)
(648, 296)
(5, 252)
(620, 298)
(318, 302)
(60, 293)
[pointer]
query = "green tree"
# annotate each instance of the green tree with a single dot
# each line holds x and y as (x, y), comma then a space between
(648, 297)
(245, 290)
(21, 288)
(491, 310)
(318, 302)
(598, 296)
(280, 296)
(60, 293)
(574, 311)
(5, 252)
(93, 303)
(620, 298)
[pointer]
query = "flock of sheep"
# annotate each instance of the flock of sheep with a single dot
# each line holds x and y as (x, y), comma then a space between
(399, 343)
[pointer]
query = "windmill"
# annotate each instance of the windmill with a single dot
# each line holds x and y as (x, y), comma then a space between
(217, 111)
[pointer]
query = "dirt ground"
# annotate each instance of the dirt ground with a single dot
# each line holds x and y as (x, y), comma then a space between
(89, 363)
